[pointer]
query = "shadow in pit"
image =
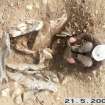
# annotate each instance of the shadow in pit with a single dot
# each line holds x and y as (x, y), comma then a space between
(31, 37)
(82, 27)
(59, 45)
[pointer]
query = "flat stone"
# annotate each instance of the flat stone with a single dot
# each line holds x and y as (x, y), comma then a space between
(85, 60)
(25, 27)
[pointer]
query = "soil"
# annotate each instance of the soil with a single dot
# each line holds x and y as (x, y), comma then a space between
(76, 84)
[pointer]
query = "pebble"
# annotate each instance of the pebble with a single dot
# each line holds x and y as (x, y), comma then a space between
(18, 100)
(96, 12)
(29, 7)
(72, 40)
(103, 26)
(60, 76)
(47, 52)
(38, 25)
(85, 60)
(28, 95)
(5, 92)
(58, 98)
(22, 27)
(45, 2)
(14, 33)
(86, 47)
(65, 81)
(71, 60)
(18, 90)
(11, 4)
(90, 78)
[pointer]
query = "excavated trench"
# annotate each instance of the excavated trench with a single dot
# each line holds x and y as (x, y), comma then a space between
(80, 24)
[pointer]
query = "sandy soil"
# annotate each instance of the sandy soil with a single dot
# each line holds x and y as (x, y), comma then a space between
(76, 84)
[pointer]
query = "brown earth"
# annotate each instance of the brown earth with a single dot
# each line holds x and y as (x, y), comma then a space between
(76, 84)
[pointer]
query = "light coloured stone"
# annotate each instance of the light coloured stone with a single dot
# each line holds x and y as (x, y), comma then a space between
(6, 92)
(29, 7)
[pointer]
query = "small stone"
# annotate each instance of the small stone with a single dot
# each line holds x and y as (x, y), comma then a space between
(86, 47)
(22, 27)
(18, 100)
(85, 60)
(58, 98)
(103, 26)
(18, 90)
(90, 78)
(29, 7)
(65, 80)
(48, 53)
(84, 30)
(14, 33)
(54, 78)
(76, 24)
(94, 73)
(38, 25)
(5, 92)
(58, 41)
(96, 11)
(71, 60)
(11, 4)
(60, 76)
(65, 33)
(28, 95)
(45, 2)
(72, 40)
(73, 32)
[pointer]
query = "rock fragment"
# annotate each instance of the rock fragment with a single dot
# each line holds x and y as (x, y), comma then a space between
(26, 27)
(26, 68)
(85, 60)
(29, 7)
(4, 54)
(31, 83)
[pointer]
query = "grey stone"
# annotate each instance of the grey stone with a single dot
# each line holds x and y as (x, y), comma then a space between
(85, 60)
